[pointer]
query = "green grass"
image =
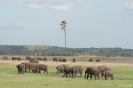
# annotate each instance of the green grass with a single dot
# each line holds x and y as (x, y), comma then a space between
(10, 79)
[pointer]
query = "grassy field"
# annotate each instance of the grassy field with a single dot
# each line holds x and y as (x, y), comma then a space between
(9, 78)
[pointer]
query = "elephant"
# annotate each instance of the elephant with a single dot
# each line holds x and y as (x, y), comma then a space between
(34, 60)
(60, 60)
(60, 69)
(44, 59)
(30, 66)
(21, 68)
(90, 60)
(39, 58)
(55, 59)
(67, 70)
(40, 67)
(73, 60)
(97, 60)
(103, 68)
(107, 74)
(64, 60)
(77, 70)
(92, 71)
(28, 57)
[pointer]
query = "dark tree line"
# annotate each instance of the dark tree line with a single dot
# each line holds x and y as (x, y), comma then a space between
(42, 50)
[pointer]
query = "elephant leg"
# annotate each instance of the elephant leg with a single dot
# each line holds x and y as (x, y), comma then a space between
(105, 77)
(39, 71)
(102, 76)
(91, 76)
(69, 75)
(66, 75)
(87, 75)
(98, 77)
(22, 71)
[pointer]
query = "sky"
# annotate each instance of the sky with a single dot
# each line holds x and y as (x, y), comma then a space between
(90, 23)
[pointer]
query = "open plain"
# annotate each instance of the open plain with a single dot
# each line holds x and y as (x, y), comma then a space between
(121, 67)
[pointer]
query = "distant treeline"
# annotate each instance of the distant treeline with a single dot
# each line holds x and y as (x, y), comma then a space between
(42, 50)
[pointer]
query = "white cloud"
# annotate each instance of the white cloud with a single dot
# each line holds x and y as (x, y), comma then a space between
(129, 4)
(61, 7)
(40, 4)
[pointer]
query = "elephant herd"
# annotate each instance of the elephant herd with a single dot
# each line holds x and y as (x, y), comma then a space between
(72, 71)
(34, 67)
(104, 70)
(66, 69)
(59, 60)
(37, 58)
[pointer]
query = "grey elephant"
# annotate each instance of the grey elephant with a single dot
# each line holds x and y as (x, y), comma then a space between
(73, 60)
(67, 70)
(55, 59)
(103, 68)
(30, 66)
(107, 74)
(92, 71)
(77, 70)
(21, 68)
(34, 60)
(97, 60)
(90, 60)
(60, 69)
(40, 67)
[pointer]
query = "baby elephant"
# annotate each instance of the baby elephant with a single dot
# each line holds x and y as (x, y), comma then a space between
(107, 74)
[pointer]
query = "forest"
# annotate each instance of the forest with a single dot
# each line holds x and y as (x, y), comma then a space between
(45, 50)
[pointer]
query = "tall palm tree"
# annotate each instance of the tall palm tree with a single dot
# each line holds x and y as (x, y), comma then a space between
(63, 27)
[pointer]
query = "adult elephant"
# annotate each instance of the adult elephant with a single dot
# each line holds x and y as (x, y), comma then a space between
(21, 68)
(67, 70)
(40, 67)
(34, 60)
(97, 60)
(77, 70)
(44, 59)
(64, 60)
(73, 60)
(60, 69)
(90, 60)
(103, 68)
(60, 60)
(107, 74)
(55, 59)
(30, 66)
(92, 71)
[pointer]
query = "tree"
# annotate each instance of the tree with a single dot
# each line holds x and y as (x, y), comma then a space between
(63, 27)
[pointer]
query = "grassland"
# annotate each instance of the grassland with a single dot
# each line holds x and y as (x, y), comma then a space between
(9, 78)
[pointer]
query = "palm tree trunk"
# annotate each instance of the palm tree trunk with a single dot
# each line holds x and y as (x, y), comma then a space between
(65, 43)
